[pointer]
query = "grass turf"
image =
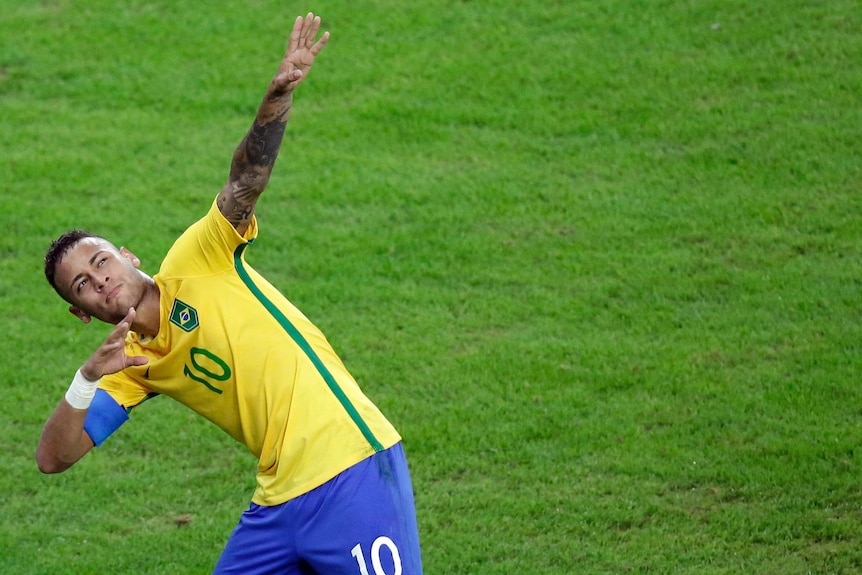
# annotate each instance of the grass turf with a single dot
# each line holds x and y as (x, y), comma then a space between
(598, 262)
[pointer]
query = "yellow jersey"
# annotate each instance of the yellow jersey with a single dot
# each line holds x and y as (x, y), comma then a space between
(232, 348)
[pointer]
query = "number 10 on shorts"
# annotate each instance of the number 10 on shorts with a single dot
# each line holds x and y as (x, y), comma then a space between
(375, 557)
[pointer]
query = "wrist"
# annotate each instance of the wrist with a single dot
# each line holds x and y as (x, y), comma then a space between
(81, 391)
(88, 374)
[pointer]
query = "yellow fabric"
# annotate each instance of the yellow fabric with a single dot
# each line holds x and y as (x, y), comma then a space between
(234, 349)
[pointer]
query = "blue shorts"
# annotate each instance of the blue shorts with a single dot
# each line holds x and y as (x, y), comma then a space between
(362, 522)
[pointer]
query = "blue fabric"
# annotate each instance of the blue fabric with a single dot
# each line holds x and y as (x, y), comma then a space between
(104, 417)
(362, 521)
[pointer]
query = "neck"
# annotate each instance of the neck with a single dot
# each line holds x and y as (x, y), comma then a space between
(148, 312)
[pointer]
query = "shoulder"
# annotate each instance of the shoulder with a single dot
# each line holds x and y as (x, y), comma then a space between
(206, 247)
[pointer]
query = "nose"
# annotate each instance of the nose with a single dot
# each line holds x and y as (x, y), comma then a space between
(102, 282)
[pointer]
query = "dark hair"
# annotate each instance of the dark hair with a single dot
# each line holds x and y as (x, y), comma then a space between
(58, 250)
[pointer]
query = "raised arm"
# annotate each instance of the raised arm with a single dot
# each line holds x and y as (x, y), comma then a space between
(255, 156)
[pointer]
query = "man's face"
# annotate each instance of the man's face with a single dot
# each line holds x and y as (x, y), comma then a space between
(99, 280)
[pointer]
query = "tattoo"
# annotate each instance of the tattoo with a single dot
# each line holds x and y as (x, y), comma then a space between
(263, 142)
(253, 161)
(236, 213)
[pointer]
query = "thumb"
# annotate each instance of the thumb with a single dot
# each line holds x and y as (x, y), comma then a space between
(136, 360)
(283, 80)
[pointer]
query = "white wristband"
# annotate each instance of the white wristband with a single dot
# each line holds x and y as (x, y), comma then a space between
(81, 391)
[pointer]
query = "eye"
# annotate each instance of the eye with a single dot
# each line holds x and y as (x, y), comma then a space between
(81, 284)
(101, 261)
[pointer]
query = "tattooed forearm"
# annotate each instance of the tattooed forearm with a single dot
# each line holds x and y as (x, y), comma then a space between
(254, 159)
(251, 167)
(263, 142)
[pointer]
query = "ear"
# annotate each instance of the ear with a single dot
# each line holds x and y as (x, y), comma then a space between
(130, 256)
(80, 314)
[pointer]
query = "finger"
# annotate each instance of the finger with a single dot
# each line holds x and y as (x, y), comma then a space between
(307, 25)
(114, 344)
(303, 33)
(122, 328)
(119, 332)
(312, 33)
(137, 360)
(293, 41)
(318, 46)
(286, 81)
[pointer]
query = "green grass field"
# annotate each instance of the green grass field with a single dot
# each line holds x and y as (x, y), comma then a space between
(599, 262)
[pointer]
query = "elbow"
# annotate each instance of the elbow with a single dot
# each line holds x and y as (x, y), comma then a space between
(48, 467)
(48, 464)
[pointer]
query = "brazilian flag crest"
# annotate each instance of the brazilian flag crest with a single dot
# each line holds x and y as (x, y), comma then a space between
(184, 316)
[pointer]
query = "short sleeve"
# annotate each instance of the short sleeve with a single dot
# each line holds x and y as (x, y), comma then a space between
(206, 247)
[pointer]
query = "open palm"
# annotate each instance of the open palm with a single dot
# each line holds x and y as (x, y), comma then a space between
(302, 49)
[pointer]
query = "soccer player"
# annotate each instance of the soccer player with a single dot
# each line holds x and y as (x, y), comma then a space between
(333, 492)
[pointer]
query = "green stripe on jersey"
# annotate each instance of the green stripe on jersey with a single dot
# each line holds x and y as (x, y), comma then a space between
(306, 348)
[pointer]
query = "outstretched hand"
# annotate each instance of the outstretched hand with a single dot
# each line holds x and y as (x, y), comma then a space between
(111, 356)
(302, 49)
